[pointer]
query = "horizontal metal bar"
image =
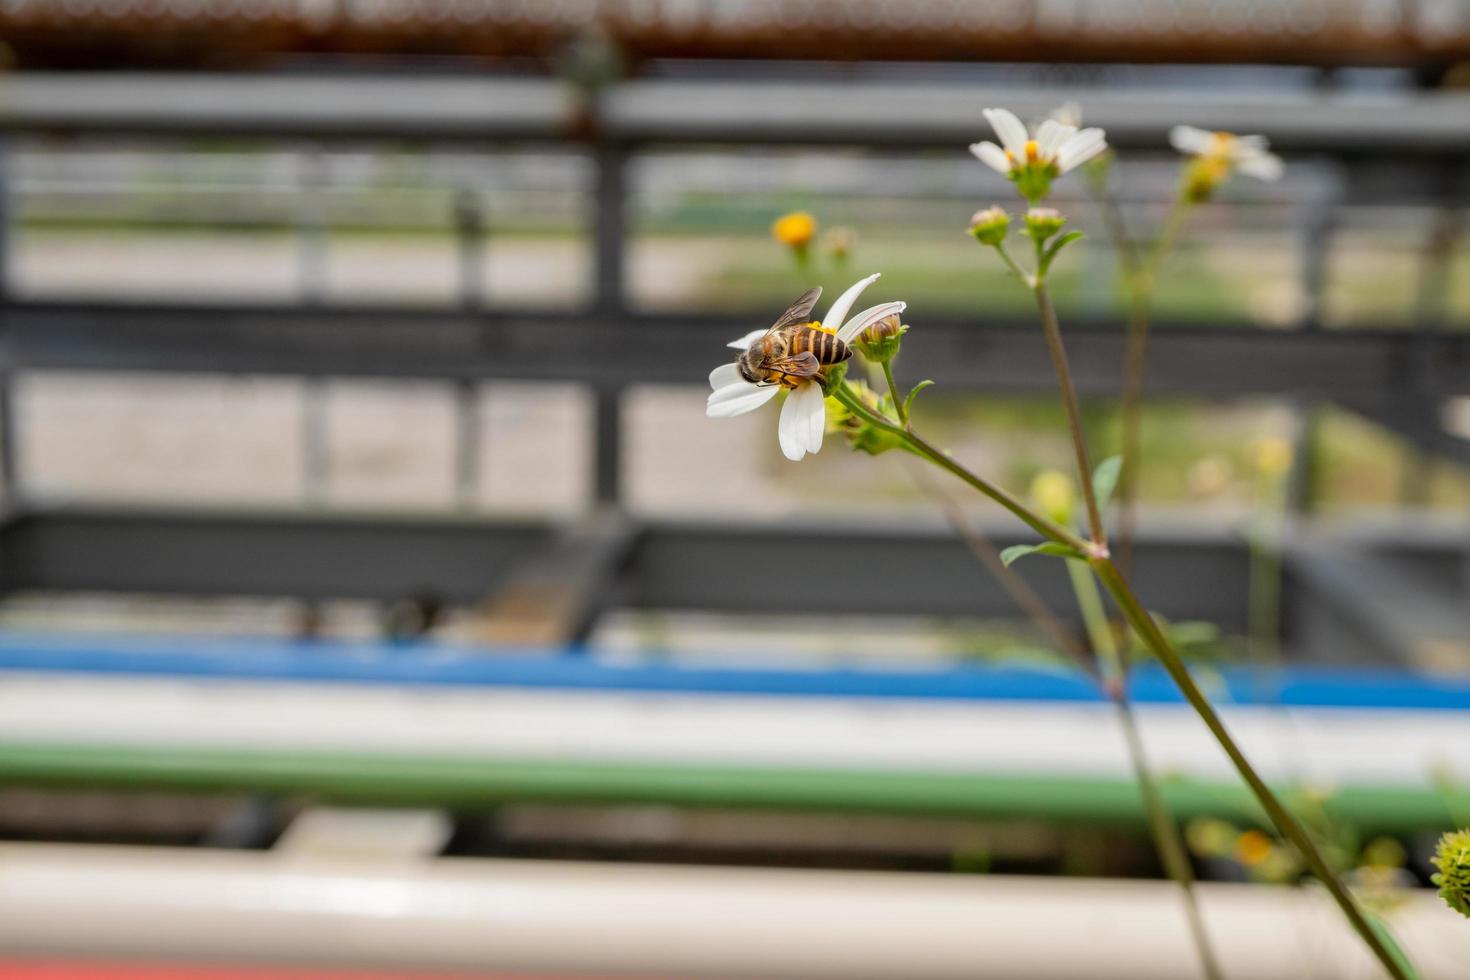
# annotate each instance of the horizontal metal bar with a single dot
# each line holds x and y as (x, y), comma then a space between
(670, 566)
(826, 569)
(996, 355)
(262, 554)
(685, 110)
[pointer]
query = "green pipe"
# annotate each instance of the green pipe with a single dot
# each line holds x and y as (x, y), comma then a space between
(468, 782)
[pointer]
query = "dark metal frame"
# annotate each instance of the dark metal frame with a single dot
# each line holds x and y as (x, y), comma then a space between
(1413, 151)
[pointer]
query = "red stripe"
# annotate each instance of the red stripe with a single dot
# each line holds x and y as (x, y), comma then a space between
(62, 970)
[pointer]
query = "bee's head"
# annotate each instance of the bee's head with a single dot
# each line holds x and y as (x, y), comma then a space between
(746, 371)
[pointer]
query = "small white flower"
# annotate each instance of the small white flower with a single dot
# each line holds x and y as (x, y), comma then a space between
(1034, 161)
(804, 416)
(1248, 154)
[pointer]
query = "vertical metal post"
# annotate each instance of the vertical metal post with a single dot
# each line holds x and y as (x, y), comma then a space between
(1301, 481)
(311, 226)
(469, 228)
(608, 430)
(1446, 231)
(1317, 232)
(610, 230)
(314, 468)
(467, 443)
(10, 481)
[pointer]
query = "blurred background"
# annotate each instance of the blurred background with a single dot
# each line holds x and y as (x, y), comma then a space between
(377, 600)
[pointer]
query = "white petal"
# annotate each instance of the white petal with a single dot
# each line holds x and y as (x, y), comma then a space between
(1011, 131)
(992, 156)
(1050, 137)
(1262, 166)
(724, 376)
(838, 311)
(744, 342)
(867, 318)
(1069, 113)
(1081, 148)
(737, 399)
(1190, 139)
(1248, 145)
(803, 421)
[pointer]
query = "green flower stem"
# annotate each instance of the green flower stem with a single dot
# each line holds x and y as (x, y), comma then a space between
(1141, 277)
(1165, 833)
(1016, 270)
(921, 447)
(1117, 586)
(1058, 352)
(1094, 618)
(1161, 825)
(898, 406)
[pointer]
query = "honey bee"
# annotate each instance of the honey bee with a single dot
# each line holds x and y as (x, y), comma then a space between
(794, 349)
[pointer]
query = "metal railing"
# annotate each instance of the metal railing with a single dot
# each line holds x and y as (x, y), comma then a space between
(1402, 149)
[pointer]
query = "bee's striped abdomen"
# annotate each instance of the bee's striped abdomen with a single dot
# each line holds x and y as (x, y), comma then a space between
(825, 346)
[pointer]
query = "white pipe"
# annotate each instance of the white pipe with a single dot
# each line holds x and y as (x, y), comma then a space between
(653, 920)
(1333, 746)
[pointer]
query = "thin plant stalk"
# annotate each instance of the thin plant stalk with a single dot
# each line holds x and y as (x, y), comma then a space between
(1114, 581)
(1164, 831)
(1168, 842)
(923, 448)
(1117, 586)
(1016, 587)
(1052, 331)
(898, 402)
(1140, 276)
(1142, 623)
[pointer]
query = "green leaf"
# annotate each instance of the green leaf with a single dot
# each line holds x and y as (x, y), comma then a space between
(908, 403)
(1050, 255)
(1045, 548)
(1105, 480)
(1380, 929)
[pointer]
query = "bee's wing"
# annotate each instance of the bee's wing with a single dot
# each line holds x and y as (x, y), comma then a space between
(803, 365)
(800, 311)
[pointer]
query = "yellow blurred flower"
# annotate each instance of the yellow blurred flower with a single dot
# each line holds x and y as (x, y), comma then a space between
(1272, 456)
(1253, 848)
(795, 229)
(1054, 495)
(839, 243)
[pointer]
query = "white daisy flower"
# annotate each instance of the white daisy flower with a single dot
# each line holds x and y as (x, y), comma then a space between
(803, 416)
(1034, 161)
(1227, 152)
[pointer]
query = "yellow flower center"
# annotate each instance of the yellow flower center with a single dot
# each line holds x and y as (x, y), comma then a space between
(1033, 151)
(1221, 144)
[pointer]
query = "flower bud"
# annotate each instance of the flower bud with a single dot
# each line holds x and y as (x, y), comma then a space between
(1054, 495)
(879, 343)
(839, 243)
(860, 435)
(795, 230)
(1210, 837)
(1452, 858)
(832, 377)
(990, 226)
(1043, 223)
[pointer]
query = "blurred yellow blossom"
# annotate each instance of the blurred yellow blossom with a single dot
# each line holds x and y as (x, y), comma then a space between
(795, 229)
